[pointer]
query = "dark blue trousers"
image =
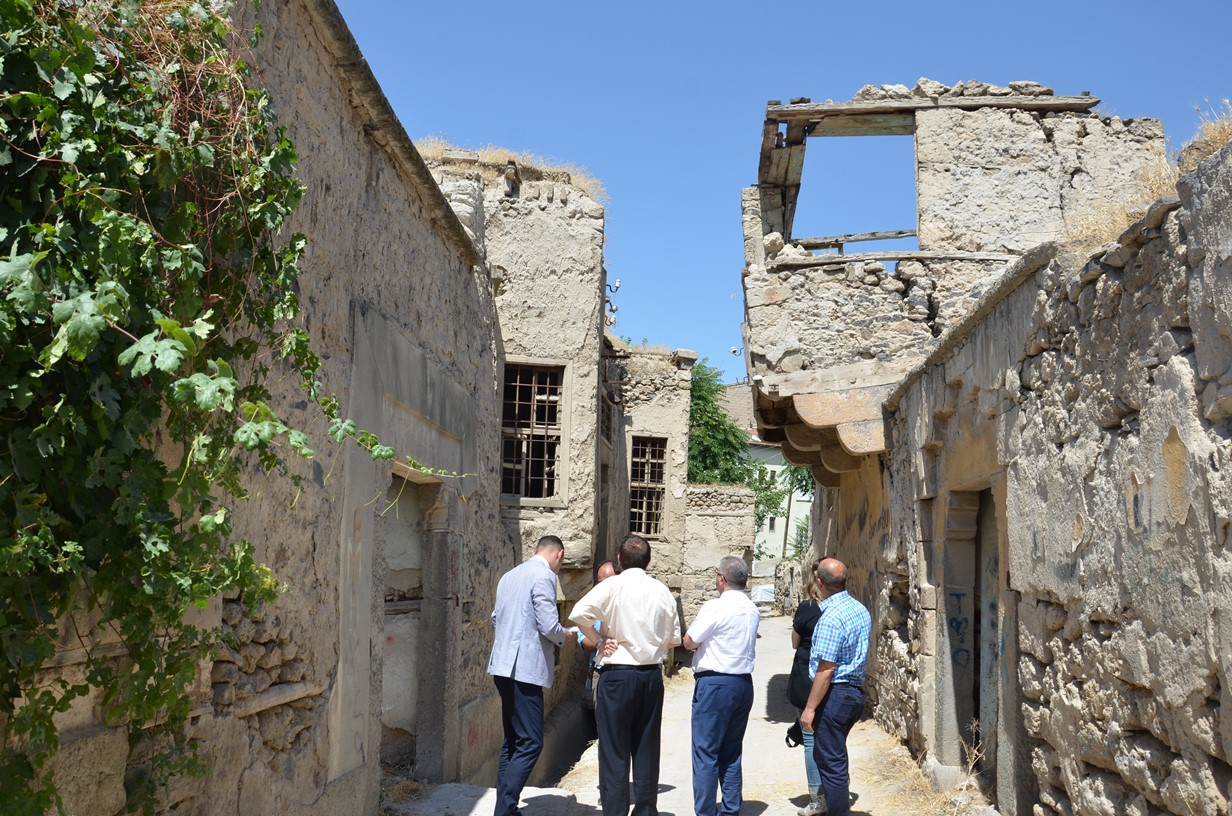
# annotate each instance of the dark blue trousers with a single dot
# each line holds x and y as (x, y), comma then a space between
(721, 706)
(629, 716)
(839, 712)
(522, 717)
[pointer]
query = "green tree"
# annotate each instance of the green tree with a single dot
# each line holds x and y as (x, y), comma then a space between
(147, 293)
(719, 448)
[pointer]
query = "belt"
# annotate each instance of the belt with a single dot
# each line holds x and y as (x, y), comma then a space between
(857, 686)
(699, 675)
(628, 667)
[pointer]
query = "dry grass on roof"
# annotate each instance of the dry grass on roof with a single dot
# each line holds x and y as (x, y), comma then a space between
(1103, 222)
(493, 158)
(1214, 131)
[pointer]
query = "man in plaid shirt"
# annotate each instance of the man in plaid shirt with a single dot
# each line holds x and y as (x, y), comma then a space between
(836, 664)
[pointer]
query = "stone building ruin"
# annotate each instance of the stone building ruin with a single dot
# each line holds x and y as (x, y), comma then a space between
(1021, 446)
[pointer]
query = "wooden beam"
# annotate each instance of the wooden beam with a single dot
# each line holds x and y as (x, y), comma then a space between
(863, 438)
(774, 436)
(816, 111)
(769, 135)
(833, 408)
(835, 458)
(824, 477)
(832, 241)
(835, 259)
(871, 124)
(799, 457)
(804, 438)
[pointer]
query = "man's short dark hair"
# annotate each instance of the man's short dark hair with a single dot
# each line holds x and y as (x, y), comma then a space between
(634, 552)
(549, 542)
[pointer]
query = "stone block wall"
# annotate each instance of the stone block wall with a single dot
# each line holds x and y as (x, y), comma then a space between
(1091, 398)
(718, 523)
(1126, 638)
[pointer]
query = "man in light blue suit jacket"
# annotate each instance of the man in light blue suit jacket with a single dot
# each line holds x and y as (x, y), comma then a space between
(522, 663)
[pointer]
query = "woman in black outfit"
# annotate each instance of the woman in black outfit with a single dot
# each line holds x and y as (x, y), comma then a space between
(799, 684)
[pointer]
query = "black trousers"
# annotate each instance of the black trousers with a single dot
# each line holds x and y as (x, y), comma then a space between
(522, 718)
(629, 716)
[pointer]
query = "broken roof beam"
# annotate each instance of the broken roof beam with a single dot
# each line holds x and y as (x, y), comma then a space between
(817, 113)
(837, 241)
(836, 259)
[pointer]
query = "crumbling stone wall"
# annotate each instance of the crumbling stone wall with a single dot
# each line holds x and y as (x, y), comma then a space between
(718, 523)
(990, 180)
(1092, 396)
(819, 317)
(971, 167)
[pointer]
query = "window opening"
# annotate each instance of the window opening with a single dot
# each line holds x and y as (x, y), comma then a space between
(647, 477)
(531, 430)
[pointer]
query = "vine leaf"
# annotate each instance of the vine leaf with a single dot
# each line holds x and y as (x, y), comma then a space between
(149, 352)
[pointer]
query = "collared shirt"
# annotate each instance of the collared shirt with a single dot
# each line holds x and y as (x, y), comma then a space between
(726, 628)
(841, 637)
(636, 611)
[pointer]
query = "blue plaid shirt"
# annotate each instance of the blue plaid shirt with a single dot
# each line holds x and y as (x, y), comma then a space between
(841, 637)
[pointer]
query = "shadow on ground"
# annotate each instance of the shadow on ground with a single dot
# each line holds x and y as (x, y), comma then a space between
(777, 708)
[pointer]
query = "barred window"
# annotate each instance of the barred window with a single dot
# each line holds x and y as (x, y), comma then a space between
(647, 477)
(530, 430)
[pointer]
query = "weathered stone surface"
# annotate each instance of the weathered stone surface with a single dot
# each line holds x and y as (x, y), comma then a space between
(89, 770)
(974, 194)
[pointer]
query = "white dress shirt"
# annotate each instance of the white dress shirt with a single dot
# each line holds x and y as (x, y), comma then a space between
(726, 628)
(636, 611)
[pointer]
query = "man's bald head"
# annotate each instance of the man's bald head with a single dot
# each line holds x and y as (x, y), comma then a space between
(833, 575)
(606, 570)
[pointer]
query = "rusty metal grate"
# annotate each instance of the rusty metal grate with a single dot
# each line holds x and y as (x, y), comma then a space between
(530, 430)
(647, 477)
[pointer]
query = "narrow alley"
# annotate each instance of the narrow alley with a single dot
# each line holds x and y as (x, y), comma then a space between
(884, 776)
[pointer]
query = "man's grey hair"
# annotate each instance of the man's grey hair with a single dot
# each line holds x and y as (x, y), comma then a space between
(734, 571)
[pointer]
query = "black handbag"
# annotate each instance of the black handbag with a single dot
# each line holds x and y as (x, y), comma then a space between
(795, 735)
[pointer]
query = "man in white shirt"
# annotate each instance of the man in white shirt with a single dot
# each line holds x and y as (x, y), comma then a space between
(640, 626)
(725, 637)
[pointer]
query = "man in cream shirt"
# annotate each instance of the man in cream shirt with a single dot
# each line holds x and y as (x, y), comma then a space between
(725, 637)
(640, 626)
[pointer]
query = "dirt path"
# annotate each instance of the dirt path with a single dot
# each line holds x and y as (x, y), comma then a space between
(883, 774)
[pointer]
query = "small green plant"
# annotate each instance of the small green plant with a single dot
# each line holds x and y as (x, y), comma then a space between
(719, 448)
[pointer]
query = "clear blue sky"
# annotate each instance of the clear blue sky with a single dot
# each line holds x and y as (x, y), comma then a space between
(664, 103)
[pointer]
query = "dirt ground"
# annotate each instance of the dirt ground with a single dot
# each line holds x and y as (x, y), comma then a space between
(884, 775)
